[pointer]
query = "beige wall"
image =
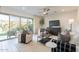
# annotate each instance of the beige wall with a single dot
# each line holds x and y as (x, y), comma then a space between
(64, 19)
(36, 24)
(76, 25)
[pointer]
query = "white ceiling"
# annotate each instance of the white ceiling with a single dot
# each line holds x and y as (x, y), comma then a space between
(35, 10)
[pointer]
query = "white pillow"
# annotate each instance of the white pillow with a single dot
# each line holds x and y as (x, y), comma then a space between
(75, 39)
(77, 48)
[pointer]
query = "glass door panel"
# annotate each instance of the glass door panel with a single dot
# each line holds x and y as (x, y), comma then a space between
(27, 24)
(30, 24)
(4, 26)
(14, 26)
(24, 24)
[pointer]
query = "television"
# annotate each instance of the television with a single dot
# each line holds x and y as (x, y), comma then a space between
(54, 23)
(55, 27)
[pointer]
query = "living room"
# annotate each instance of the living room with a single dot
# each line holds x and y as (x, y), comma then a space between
(66, 18)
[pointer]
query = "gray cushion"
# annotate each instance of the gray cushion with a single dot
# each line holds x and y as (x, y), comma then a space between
(65, 38)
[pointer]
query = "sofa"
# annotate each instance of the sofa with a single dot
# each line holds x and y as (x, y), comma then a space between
(63, 46)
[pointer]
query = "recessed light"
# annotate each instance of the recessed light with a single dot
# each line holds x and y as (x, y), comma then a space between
(63, 10)
(44, 13)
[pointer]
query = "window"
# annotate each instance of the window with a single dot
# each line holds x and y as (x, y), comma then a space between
(14, 26)
(27, 23)
(4, 26)
(10, 25)
(30, 24)
(24, 24)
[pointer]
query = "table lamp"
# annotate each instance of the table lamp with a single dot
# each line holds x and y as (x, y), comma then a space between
(70, 23)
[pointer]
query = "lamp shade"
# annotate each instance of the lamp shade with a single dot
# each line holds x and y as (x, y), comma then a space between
(71, 21)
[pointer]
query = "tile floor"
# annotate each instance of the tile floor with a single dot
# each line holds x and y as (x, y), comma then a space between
(13, 46)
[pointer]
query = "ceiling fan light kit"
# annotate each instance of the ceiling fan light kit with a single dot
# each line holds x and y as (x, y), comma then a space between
(45, 13)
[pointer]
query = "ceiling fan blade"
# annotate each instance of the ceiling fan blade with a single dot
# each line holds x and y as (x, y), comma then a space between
(48, 9)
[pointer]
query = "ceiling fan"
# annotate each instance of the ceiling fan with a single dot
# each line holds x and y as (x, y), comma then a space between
(44, 11)
(47, 12)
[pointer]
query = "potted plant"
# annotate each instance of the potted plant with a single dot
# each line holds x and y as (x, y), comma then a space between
(42, 24)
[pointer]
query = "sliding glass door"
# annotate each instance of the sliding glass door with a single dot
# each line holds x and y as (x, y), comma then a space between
(27, 24)
(14, 26)
(24, 24)
(30, 24)
(11, 25)
(4, 26)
